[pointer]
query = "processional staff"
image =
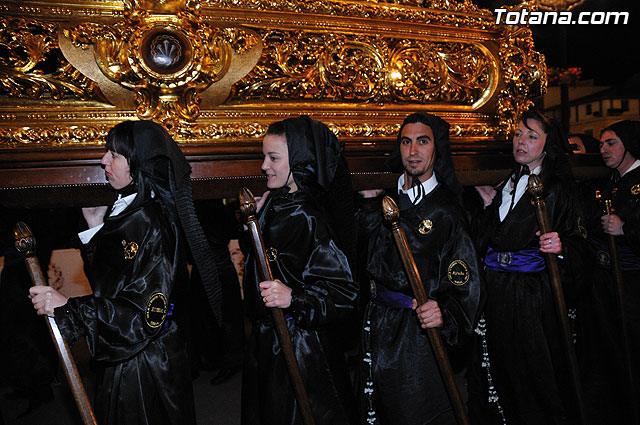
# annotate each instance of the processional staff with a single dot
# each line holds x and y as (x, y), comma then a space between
(25, 242)
(392, 215)
(607, 209)
(248, 209)
(534, 187)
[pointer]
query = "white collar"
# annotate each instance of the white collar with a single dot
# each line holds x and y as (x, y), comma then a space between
(427, 185)
(633, 167)
(122, 203)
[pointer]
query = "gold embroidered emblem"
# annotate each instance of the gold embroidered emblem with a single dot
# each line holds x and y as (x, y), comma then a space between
(458, 272)
(372, 289)
(425, 227)
(272, 254)
(581, 228)
(156, 311)
(130, 250)
(635, 189)
(505, 258)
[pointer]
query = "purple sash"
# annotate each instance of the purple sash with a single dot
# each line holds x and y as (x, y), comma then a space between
(381, 295)
(627, 259)
(526, 260)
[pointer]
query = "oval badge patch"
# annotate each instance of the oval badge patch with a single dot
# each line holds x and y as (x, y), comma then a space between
(156, 311)
(458, 272)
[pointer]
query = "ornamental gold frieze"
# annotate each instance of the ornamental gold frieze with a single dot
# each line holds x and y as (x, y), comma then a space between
(31, 65)
(297, 65)
(219, 71)
(210, 134)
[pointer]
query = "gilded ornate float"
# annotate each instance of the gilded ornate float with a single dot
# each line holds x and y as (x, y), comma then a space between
(217, 72)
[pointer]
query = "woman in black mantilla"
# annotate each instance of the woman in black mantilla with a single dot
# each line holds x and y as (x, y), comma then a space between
(135, 261)
(313, 283)
(521, 375)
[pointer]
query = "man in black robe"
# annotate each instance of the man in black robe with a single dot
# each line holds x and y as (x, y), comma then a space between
(606, 379)
(400, 382)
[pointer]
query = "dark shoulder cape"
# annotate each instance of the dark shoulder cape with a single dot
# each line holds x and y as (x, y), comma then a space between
(304, 257)
(133, 264)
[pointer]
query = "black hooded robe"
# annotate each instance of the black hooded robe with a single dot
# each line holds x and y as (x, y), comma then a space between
(601, 347)
(303, 255)
(399, 379)
(133, 264)
(527, 361)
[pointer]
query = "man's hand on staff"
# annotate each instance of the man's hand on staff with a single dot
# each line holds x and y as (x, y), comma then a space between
(612, 224)
(550, 243)
(429, 313)
(275, 294)
(45, 299)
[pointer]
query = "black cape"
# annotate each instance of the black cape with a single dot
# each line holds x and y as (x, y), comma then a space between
(133, 264)
(304, 256)
(600, 346)
(525, 377)
(399, 379)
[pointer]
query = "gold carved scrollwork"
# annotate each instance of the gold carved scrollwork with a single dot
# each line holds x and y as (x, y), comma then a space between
(523, 72)
(524, 77)
(54, 136)
(166, 61)
(339, 67)
(30, 66)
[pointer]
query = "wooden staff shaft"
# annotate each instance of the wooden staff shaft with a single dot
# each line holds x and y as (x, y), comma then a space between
(421, 297)
(68, 364)
(617, 274)
(278, 316)
(535, 189)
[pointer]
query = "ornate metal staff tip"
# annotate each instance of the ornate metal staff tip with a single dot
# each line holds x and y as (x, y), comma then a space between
(390, 209)
(247, 202)
(24, 239)
(534, 186)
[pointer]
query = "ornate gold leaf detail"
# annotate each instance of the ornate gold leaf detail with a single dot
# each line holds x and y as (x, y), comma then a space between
(340, 67)
(524, 75)
(31, 66)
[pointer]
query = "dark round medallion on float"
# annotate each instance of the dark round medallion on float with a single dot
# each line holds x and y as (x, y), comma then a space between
(165, 51)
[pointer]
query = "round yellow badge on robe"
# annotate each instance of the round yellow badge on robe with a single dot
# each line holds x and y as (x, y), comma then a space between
(425, 227)
(458, 272)
(130, 250)
(272, 254)
(156, 311)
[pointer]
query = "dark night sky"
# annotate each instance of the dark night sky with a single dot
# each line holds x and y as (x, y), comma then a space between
(606, 53)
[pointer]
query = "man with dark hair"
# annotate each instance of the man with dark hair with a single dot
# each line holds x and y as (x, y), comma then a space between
(602, 352)
(399, 377)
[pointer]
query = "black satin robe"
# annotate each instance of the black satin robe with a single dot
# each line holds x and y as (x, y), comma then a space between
(527, 361)
(143, 372)
(399, 379)
(600, 340)
(304, 256)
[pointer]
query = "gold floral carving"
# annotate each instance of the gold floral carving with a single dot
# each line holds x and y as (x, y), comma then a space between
(30, 66)
(344, 68)
(524, 76)
(358, 66)
(167, 61)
